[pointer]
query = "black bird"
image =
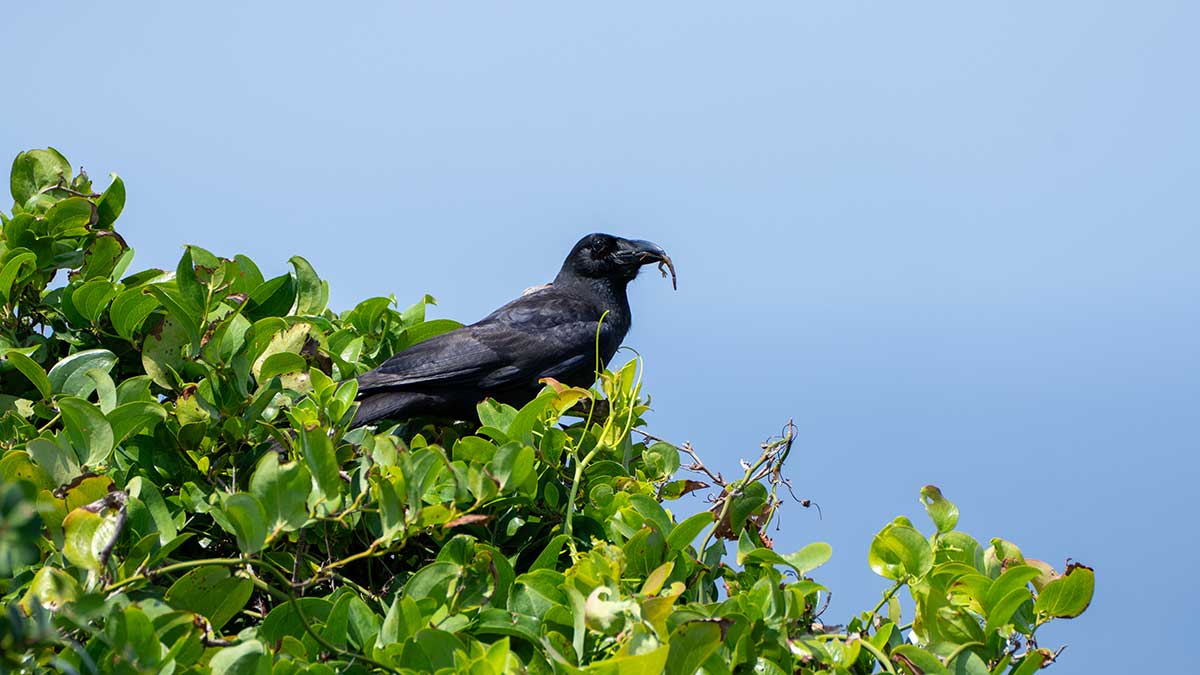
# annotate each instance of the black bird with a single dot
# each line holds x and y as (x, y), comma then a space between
(550, 331)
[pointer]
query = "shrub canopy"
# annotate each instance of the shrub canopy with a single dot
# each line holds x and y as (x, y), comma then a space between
(181, 494)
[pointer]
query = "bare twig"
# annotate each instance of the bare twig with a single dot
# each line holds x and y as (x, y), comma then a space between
(696, 466)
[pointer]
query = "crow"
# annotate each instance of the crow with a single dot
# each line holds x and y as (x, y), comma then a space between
(556, 330)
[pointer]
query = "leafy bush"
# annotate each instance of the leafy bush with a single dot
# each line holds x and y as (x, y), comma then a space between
(181, 493)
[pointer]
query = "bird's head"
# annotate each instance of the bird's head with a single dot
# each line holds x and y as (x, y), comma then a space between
(603, 256)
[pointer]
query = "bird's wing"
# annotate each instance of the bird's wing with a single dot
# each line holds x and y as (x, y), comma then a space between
(538, 335)
(448, 359)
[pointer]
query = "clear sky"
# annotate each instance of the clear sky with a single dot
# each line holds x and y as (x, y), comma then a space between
(957, 243)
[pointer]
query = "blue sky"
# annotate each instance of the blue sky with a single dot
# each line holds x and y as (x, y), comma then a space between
(957, 243)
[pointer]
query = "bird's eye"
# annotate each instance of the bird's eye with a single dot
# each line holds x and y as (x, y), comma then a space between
(599, 246)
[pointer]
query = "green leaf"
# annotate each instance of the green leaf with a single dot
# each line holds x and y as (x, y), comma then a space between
(402, 621)
(191, 408)
(287, 339)
(185, 317)
(285, 621)
(31, 370)
(34, 170)
(1001, 613)
(70, 377)
(343, 399)
(810, 557)
(245, 658)
(20, 526)
(163, 352)
(102, 258)
(415, 313)
(1032, 663)
(106, 391)
(20, 264)
(122, 263)
(130, 418)
(691, 644)
(312, 294)
(433, 581)
(912, 655)
(899, 551)
(512, 465)
(473, 449)
(1069, 595)
(362, 624)
(92, 297)
(942, 511)
(528, 417)
(536, 593)
(247, 276)
(661, 461)
(748, 549)
(494, 414)
(1013, 578)
(283, 490)
(749, 501)
(957, 625)
(111, 203)
(129, 309)
(136, 388)
(273, 297)
(50, 588)
(88, 429)
(391, 510)
(92, 530)
(1001, 555)
(227, 339)
(281, 363)
(683, 534)
(60, 462)
(70, 217)
(17, 465)
(441, 648)
(967, 663)
(548, 558)
(211, 591)
(249, 521)
(649, 508)
(192, 294)
(322, 462)
(961, 547)
(427, 329)
(148, 493)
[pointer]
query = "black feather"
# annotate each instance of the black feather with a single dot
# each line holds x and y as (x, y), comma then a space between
(554, 331)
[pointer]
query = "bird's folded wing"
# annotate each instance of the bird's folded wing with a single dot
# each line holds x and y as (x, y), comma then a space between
(451, 358)
(493, 354)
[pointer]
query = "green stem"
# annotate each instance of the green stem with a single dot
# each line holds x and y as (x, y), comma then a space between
(287, 590)
(580, 464)
(884, 661)
(369, 552)
(176, 567)
(875, 651)
(729, 497)
(50, 423)
(304, 620)
(962, 648)
(567, 528)
(887, 596)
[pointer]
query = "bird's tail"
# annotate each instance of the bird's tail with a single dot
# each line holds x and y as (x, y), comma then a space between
(375, 407)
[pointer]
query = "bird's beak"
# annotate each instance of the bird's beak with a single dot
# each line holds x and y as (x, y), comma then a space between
(645, 253)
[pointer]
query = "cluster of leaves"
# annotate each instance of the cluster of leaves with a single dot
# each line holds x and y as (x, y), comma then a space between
(182, 493)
